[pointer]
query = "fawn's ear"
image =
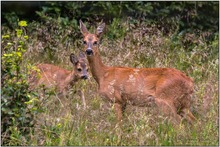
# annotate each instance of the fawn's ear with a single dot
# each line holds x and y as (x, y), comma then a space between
(100, 29)
(74, 59)
(81, 54)
(83, 28)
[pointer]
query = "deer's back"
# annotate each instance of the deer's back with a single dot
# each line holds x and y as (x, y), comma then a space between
(55, 72)
(48, 75)
(133, 83)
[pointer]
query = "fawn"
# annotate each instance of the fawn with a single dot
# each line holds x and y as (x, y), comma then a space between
(167, 89)
(53, 76)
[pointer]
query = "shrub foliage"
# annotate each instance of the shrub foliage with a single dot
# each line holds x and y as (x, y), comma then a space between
(182, 35)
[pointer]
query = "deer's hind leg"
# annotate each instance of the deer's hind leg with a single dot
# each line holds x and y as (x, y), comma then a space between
(187, 114)
(185, 109)
(168, 109)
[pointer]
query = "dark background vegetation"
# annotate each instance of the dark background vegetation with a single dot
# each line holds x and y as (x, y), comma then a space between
(192, 15)
(183, 35)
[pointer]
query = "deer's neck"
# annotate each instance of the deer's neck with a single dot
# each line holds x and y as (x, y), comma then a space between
(70, 78)
(97, 67)
(66, 81)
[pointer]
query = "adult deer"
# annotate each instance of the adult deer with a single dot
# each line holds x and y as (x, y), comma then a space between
(167, 88)
(53, 76)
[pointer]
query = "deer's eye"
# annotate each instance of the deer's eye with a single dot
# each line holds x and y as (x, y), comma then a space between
(95, 43)
(84, 42)
(79, 69)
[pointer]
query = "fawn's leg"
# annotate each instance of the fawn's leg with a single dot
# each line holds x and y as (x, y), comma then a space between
(81, 94)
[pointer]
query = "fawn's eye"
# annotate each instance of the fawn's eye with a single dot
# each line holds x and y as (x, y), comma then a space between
(95, 43)
(84, 42)
(79, 69)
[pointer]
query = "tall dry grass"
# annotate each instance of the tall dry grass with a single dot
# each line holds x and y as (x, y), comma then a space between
(141, 46)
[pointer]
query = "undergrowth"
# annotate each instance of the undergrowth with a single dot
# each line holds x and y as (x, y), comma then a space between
(141, 46)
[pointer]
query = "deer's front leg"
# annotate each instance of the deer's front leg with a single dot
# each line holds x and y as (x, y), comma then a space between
(118, 111)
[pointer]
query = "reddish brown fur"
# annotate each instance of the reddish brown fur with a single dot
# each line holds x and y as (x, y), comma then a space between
(168, 89)
(54, 76)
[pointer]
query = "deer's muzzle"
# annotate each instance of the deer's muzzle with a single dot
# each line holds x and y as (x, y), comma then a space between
(89, 52)
(84, 77)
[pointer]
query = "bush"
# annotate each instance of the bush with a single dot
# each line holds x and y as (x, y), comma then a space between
(188, 15)
(139, 34)
(17, 103)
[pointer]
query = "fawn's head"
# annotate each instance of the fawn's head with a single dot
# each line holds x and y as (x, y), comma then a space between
(80, 65)
(91, 41)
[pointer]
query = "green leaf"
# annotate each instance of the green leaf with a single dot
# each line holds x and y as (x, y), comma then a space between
(22, 23)
(26, 37)
(31, 101)
(19, 32)
(5, 36)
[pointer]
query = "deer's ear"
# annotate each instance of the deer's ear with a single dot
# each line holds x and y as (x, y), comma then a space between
(100, 29)
(83, 28)
(81, 54)
(74, 59)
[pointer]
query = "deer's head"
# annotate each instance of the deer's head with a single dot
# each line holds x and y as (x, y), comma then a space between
(91, 41)
(80, 65)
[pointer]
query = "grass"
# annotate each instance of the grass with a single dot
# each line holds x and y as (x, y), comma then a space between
(96, 125)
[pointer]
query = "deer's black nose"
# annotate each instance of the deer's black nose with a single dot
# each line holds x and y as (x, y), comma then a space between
(89, 52)
(84, 77)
